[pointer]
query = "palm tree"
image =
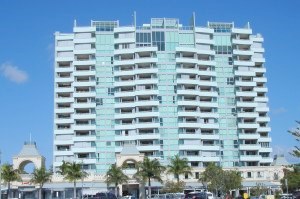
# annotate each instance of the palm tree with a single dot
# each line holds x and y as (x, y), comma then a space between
(115, 176)
(72, 172)
(179, 166)
(9, 174)
(63, 167)
(40, 177)
(149, 169)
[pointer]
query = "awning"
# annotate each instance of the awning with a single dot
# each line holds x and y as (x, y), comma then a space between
(262, 183)
(92, 191)
(27, 189)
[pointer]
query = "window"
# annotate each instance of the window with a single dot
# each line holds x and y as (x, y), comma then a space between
(99, 101)
(186, 176)
(143, 39)
(158, 39)
(108, 143)
(197, 175)
(248, 174)
(230, 81)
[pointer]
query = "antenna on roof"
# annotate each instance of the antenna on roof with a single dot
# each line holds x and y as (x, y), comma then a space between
(194, 20)
(134, 19)
(30, 138)
(75, 23)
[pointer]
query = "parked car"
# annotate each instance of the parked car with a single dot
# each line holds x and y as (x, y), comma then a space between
(210, 195)
(105, 195)
(196, 195)
(286, 196)
(128, 197)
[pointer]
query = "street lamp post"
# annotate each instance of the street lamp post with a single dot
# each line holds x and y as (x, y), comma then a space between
(81, 180)
(0, 177)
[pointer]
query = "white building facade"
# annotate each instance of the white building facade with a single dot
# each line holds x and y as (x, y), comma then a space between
(168, 89)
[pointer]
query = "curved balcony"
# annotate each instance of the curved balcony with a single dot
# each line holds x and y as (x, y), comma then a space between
(248, 125)
(250, 158)
(250, 147)
(77, 127)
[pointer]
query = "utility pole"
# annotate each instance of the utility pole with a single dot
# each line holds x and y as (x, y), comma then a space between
(287, 186)
(0, 177)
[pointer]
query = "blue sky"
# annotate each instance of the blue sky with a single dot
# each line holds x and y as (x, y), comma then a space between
(27, 44)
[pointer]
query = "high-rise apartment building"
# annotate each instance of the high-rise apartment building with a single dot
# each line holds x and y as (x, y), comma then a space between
(199, 92)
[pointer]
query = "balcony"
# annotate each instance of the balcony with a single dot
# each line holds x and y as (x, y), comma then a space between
(243, 63)
(86, 160)
(263, 119)
(259, 59)
(248, 125)
(261, 99)
(84, 115)
(153, 147)
(86, 51)
(246, 94)
(246, 104)
(262, 109)
(89, 138)
(247, 115)
(84, 62)
(84, 73)
(250, 147)
(242, 42)
(247, 136)
(245, 83)
(265, 139)
(265, 150)
(210, 159)
(264, 129)
(152, 136)
(83, 149)
(195, 50)
(64, 100)
(63, 69)
(84, 94)
(124, 62)
(64, 79)
(64, 110)
(84, 40)
(80, 127)
(250, 158)
(146, 60)
(266, 160)
(243, 52)
(124, 40)
(64, 59)
(246, 73)
(260, 79)
(260, 89)
(80, 83)
(196, 147)
(63, 121)
(137, 114)
(246, 30)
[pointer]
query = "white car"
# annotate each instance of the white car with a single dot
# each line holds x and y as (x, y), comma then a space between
(210, 195)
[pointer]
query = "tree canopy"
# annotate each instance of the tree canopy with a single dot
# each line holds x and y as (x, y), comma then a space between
(9, 174)
(218, 179)
(72, 172)
(115, 176)
(40, 176)
(293, 177)
(149, 169)
(296, 134)
(179, 166)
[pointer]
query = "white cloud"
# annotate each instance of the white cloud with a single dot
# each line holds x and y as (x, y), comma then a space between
(13, 73)
(278, 111)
